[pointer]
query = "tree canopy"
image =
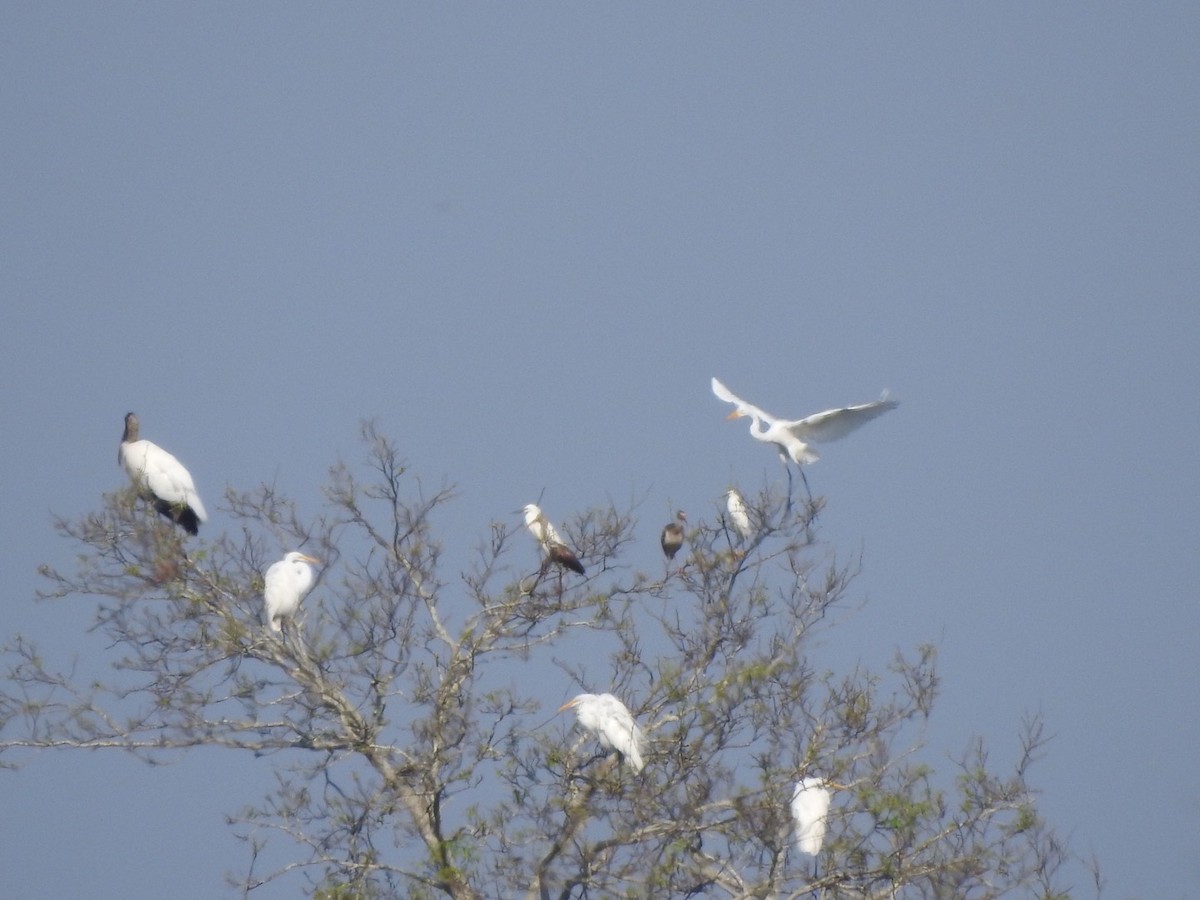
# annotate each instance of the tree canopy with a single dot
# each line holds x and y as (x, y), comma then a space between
(406, 720)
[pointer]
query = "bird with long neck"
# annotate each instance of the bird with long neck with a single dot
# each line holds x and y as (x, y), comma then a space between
(286, 583)
(547, 537)
(792, 437)
(161, 478)
(735, 506)
(612, 724)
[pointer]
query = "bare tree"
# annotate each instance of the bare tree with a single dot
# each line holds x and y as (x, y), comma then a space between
(408, 719)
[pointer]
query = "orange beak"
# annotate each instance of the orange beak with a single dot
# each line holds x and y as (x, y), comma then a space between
(736, 414)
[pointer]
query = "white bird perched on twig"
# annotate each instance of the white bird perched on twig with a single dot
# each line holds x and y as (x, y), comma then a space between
(738, 517)
(161, 478)
(810, 809)
(606, 717)
(287, 581)
(546, 535)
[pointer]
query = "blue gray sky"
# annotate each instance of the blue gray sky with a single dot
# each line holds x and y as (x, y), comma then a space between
(524, 237)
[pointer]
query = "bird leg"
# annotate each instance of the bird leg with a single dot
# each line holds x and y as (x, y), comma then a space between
(807, 491)
(730, 531)
(544, 569)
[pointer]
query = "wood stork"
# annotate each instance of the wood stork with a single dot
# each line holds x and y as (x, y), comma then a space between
(547, 537)
(161, 478)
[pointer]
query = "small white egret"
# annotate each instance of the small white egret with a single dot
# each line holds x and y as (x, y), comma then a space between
(607, 718)
(545, 534)
(672, 535)
(738, 517)
(287, 581)
(810, 808)
(160, 477)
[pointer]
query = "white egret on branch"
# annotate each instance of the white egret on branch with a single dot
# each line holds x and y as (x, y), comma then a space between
(545, 534)
(161, 478)
(607, 718)
(810, 808)
(672, 535)
(791, 437)
(287, 581)
(738, 517)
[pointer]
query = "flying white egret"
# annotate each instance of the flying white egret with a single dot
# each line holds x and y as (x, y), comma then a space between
(287, 581)
(791, 437)
(607, 718)
(672, 535)
(738, 517)
(545, 534)
(160, 477)
(810, 807)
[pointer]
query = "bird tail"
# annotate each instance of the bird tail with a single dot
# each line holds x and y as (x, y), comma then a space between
(805, 457)
(193, 502)
(189, 520)
(635, 758)
(808, 843)
(184, 516)
(564, 557)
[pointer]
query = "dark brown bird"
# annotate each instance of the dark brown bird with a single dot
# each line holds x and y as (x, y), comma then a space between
(565, 558)
(672, 535)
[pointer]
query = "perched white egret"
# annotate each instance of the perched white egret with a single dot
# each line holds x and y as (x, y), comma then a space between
(738, 517)
(672, 535)
(545, 534)
(160, 477)
(810, 807)
(791, 437)
(607, 718)
(287, 581)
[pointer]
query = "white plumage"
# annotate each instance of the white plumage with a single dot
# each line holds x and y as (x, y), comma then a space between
(161, 477)
(545, 534)
(539, 526)
(810, 809)
(287, 581)
(791, 437)
(738, 517)
(607, 718)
